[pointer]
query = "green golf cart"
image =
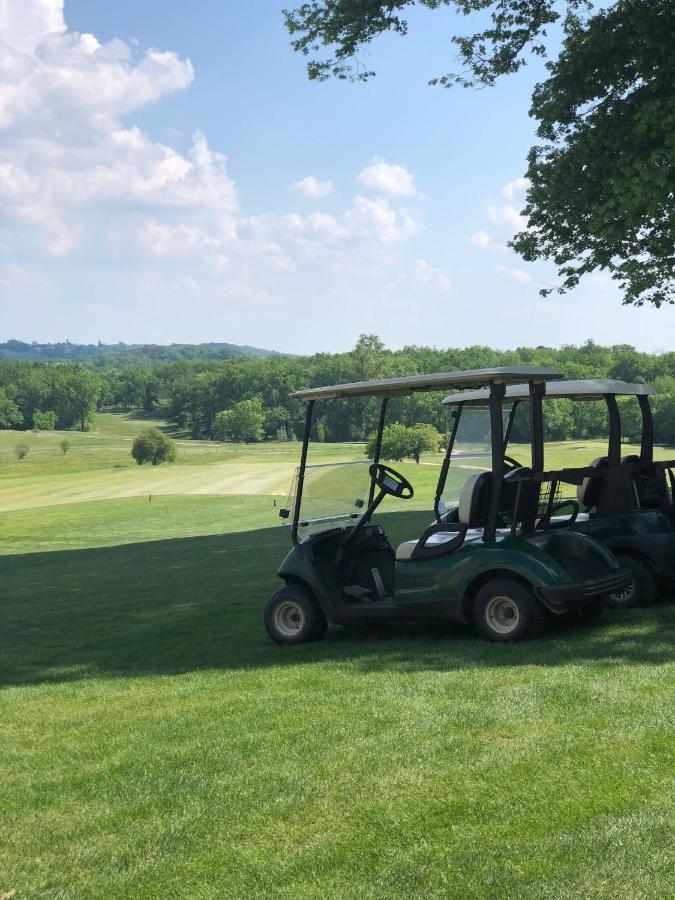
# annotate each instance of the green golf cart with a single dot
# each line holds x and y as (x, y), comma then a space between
(483, 568)
(626, 502)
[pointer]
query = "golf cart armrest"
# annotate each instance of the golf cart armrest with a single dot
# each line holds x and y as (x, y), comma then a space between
(426, 550)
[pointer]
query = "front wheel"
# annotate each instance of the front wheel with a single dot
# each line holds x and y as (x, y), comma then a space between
(506, 610)
(292, 616)
(643, 589)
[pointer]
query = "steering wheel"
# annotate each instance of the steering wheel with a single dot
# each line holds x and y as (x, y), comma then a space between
(513, 463)
(391, 482)
(558, 506)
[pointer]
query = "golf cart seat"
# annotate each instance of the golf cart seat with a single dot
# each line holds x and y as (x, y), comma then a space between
(405, 550)
(588, 492)
(472, 506)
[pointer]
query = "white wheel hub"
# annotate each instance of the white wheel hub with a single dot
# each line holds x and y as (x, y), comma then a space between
(624, 597)
(502, 615)
(289, 618)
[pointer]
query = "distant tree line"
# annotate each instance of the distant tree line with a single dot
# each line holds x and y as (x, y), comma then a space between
(247, 398)
(35, 395)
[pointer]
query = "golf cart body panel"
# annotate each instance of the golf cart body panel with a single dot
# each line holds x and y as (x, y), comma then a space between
(348, 568)
(630, 509)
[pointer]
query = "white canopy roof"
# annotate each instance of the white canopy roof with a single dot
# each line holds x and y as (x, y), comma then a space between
(439, 381)
(590, 389)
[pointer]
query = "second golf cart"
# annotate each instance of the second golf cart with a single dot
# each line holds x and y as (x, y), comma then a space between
(481, 569)
(625, 502)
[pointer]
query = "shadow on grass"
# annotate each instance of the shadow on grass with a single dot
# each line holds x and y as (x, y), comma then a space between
(174, 606)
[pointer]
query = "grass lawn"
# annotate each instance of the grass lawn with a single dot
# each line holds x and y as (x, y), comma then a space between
(156, 744)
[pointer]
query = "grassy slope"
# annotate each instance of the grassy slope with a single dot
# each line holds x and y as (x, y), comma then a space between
(156, 744)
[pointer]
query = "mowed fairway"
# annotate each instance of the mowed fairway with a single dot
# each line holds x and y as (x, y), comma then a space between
(156, 744)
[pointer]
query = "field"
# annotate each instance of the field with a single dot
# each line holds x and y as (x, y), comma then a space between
(156, 744)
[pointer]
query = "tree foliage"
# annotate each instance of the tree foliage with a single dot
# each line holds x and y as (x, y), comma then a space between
(242, 422)
(153, 446)
(602, 186)
(405, 442)
(602, 183)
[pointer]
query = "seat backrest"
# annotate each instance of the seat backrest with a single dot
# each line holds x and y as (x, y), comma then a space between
(473, 499)
(588, 492)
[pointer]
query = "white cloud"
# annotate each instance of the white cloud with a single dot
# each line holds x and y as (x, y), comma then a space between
(515, 188)
(387, 179)
(514, 274)
(480, 239)
(27, 23)
(431, 277)
(507, 215)
(83, 191)
(312, 187)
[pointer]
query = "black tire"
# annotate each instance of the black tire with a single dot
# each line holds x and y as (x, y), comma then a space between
(506, 610)
(292, 616)
(644, 589)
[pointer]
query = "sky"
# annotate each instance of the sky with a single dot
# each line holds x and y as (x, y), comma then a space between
(169, 174)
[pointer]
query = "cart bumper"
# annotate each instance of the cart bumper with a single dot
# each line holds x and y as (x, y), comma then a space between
(563, 598)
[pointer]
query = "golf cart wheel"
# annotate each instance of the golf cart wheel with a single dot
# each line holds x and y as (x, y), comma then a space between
(292, 616)
(643, 590)
(506, 610)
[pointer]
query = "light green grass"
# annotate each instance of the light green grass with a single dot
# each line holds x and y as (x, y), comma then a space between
(156, 744)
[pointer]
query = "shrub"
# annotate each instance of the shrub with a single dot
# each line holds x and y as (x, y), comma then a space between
(64, 445)
(153, 446)
(403, 442)
(21, 450)
(44, 420)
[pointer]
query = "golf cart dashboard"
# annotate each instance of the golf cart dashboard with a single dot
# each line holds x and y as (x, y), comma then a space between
(326, 544)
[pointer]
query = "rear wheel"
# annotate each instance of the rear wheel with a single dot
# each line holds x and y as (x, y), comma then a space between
(506, 610)
(643, 590)
(292, 616)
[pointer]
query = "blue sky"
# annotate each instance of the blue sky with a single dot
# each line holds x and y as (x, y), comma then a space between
(168, 173)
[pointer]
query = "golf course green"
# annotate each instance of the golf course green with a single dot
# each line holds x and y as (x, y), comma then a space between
(156, 743)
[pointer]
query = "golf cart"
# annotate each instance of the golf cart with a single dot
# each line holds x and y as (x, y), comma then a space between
(625, 503)
(480, 568)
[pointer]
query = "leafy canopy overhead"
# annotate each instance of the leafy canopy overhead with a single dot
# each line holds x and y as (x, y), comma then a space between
(602, 183)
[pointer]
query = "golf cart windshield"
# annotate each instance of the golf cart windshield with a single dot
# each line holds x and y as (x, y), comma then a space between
(333, 495)
(470, 453)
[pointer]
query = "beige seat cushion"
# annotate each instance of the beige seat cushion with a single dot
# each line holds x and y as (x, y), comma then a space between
(404, 551)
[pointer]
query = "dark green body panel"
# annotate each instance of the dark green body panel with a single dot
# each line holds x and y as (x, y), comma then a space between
(438, 587)
(645, 532)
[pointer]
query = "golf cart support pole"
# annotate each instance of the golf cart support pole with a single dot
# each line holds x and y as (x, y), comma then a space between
(497, 392)
(509, 424)
(378, 446)
(647, 439)
(537, 392)
(301, 470)
(443, 476)
(614, 443)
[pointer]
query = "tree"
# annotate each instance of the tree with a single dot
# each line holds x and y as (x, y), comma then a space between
(424, 439)
(64, 445)
(602, 186)
(44, 420)
(244, 421)
(10, 414)
(21, 451)
(403, 442)
(153, 446)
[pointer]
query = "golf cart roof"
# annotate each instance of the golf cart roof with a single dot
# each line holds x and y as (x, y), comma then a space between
(438, 381)
(591, 389)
